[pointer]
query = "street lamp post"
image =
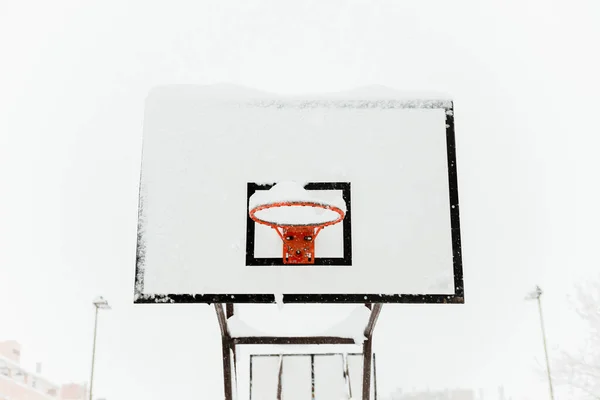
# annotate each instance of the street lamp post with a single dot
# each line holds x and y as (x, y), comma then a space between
(537, 295)
(99, 303)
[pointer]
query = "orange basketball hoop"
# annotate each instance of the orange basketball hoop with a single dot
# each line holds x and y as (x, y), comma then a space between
(299, 235)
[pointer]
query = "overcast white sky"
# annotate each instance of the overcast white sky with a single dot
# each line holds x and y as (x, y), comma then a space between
(73, 79)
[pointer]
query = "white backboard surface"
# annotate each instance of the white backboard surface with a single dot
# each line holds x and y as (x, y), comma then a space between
(205, 148)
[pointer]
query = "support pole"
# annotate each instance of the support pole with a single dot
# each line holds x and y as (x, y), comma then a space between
(227, 370)
(93, 354)
(229, 312)
(227, 345)
(368, 351)
(367, 356)
(537, 295)
(99, 303)
(375, 376)
(280, 378)
(539, 301)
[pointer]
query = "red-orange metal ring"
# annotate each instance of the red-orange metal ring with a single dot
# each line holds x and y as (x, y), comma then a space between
(296, 204)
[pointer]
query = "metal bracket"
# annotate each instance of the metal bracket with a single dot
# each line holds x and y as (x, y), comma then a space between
(229, 344)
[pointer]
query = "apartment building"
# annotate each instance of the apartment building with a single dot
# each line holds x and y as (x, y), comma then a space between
(18, 383)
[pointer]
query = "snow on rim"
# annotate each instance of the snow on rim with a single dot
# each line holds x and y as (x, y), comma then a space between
(294, 192)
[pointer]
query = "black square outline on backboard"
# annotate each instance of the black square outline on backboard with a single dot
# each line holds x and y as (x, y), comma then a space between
(346, 260)
(140, 297)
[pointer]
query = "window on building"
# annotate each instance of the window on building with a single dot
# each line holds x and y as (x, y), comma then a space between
(4, 370)
(19, 376)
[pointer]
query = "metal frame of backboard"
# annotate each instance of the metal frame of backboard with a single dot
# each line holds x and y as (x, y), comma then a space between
(229, 344)
(312, 361)
(457, 297)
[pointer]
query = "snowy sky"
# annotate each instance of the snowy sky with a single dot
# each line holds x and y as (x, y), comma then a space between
(73, 79)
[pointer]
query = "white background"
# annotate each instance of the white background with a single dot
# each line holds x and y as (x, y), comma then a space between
(73, 79)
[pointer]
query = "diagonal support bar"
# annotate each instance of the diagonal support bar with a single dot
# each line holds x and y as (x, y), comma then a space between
(222, 320)
(227, 345)
(375, 311)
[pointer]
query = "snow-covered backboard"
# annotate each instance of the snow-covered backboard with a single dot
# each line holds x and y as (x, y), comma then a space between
(385, 160)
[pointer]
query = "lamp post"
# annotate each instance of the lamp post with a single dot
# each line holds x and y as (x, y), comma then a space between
(99, 303)
(537, 295)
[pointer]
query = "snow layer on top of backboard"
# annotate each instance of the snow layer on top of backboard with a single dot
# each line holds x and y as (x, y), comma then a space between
(218, 91)
(374, 96)
(371, 96)
(386, 92)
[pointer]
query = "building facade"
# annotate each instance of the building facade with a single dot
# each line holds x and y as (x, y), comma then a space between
(18, 383)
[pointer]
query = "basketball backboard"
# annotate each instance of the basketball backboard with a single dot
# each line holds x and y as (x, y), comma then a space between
(383, 162)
